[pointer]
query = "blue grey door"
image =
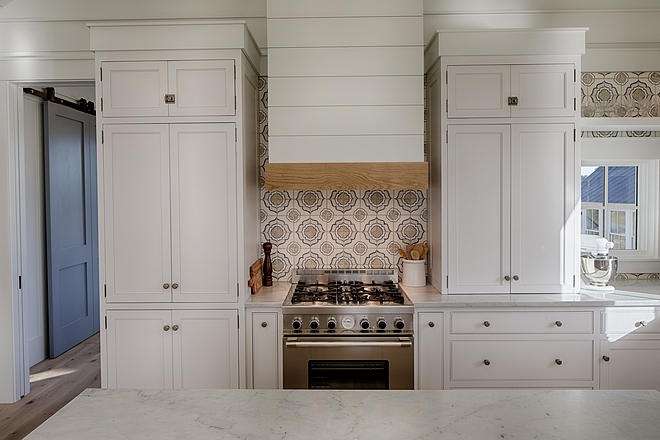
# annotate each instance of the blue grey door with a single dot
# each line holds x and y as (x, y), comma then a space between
(71, 238)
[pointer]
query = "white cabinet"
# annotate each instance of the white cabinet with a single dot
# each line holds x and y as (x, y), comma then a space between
(510, 202)
(549, 348)
(168, 88)
(182, 349)
(264, 341)
(430, 350)
(630, 352)
(170, 212)
(542, 90)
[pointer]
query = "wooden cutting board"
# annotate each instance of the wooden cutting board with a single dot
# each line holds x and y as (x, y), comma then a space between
(256, 275)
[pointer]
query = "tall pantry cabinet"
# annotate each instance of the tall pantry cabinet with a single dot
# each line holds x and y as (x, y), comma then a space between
(503, 128)
(178, 200)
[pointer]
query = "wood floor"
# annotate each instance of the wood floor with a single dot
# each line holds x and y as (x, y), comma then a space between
(53, 383)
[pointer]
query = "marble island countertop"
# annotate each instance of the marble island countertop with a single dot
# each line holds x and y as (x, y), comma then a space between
(298, 414)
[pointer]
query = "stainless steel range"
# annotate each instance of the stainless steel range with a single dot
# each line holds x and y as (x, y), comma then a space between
(347, 329)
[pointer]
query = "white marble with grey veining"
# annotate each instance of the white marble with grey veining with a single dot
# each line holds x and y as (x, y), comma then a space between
(272, 296)
(304, 414)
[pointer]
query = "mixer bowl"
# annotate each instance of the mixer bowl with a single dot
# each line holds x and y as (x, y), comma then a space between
(598, 270)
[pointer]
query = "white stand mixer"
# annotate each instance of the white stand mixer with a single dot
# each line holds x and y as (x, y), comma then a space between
(598, 268)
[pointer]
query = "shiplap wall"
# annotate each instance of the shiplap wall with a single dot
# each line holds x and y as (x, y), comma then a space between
(345, 81)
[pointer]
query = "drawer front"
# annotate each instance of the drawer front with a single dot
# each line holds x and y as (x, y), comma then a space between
(631, 321)
(495, 322)
(521, 360)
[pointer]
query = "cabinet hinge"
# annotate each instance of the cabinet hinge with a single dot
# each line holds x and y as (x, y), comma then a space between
(446, 105)
(447, 282)
(101, 73)
(574, 104)
(573, 281)
(234, 71)
(235, 134)
(101, 104)
(238, 321)
(20, 283)
(105, 291)
(234, 103)
(447, 77)
(102, 137)
(574, 75)
(106, 322)
(574, 135)
(447, 136)
(238, 289)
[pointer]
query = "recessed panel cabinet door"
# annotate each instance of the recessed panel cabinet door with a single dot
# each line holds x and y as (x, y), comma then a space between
(542, 205)
(265, 349)
(134, 88)
(478, 91)
(139, 349)
(204, 243)
(137, 213)
(205, 349)
(201, 88)
(543, 90)
(478, 208)
(628, 364)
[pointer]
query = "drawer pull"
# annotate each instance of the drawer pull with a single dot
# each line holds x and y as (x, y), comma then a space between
(606, 358)
(264, 324)
(516, 278)
(431, 324)
(558, 323)
(175, 286)
(486, 324)
(166, 286)
(558, 361)
(166, 327)
(486, 362)
(640, 324)
(175, 327)
(507, 278)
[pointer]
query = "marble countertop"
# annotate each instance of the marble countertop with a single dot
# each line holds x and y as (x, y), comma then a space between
(272, 296)
(298, 414)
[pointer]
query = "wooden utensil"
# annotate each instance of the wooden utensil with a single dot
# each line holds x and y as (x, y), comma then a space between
(414, 255)
(424, 252)
(402, 253)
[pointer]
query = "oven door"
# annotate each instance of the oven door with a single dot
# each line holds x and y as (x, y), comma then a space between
(348, 362)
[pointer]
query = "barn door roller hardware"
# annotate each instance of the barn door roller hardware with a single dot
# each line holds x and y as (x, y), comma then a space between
(49, 95)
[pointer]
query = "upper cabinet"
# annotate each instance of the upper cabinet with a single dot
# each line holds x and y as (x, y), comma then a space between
(541, 90)
(168, 88)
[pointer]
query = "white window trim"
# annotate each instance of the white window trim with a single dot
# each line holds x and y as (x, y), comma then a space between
(645, 154)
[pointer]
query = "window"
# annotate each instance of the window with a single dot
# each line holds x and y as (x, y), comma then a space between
(621, 196)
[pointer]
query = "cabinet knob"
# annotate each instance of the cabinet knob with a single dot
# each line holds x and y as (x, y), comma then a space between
(175, 327)
(166, 327)
(175, 286)
(486, 324)
(606, 358)
(431, 324)
(516, 278)
(558, 323)
(558, 361)
(640, 324)
(264, 324)
(507, 278)
(166, 286)
(486, 362)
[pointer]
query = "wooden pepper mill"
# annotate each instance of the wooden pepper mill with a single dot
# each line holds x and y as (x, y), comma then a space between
(268, 266)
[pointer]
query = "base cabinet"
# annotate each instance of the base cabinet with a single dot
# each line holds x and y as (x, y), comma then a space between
(429, 351)
(181, 349)
(264, 349)
(630, 364)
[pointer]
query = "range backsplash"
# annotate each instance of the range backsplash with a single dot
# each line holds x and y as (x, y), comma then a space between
(364, 229)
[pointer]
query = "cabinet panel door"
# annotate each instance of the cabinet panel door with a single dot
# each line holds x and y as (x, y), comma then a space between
(265, 344)
(132, 88)
(631, 364)
(202, 88)
(430, 356)
(543, 90)
(139, 349)
(542, 208)
(205, 349)
(204, 244)
(478, 91)
(478, 205)
(137, 212)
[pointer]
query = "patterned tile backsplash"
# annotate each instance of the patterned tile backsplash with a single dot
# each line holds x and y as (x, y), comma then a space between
(364, 229)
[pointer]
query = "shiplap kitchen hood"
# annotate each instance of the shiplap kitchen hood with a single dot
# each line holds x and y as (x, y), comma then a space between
(346, 94)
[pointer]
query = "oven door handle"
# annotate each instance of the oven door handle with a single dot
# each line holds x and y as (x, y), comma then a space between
(294, 342)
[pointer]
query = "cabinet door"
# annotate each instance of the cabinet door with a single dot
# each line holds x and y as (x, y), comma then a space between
(630, 364)
(265, 344)
(204, 242)
(132, 88)
(543, 90)
(205, 350)
(478, 204)
(202, 88)
(543, 210)
(136, 192)
(139, 349)
(478, 91)
(430, 355)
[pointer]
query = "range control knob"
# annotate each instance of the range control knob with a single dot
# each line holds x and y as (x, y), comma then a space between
(381, 323)
(332, 323)
(314, 323)
(364, 323)
(399, 323)
(297, 323)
